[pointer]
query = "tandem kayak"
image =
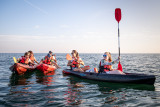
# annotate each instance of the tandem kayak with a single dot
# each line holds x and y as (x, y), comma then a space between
(21, 68)
(45, 68)
(118, 78)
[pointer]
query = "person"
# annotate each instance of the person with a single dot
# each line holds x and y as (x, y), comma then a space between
(76, 62)
(46, 59)
(106, 64)
(50, 60)
(25, 59)
(32, 58)
(53, 58)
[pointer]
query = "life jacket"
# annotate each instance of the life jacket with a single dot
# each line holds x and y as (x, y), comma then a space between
(105, 68)
(74, 63)
(22, 60)
(46, 61)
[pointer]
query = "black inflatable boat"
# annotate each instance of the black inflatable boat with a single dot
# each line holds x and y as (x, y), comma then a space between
(128, 78)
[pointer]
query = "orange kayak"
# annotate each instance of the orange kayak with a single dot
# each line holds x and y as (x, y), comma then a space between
(45, 68)
(21, 68)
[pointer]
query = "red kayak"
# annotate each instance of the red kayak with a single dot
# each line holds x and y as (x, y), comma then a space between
(21, 68)
(45, 68)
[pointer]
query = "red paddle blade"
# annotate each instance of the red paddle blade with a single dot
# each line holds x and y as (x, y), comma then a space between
(118, 14)
(120, 67)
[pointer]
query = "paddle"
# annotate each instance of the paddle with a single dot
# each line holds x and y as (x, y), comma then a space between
(68, 57)
(15, 60)
(12, 67)
(118, 18)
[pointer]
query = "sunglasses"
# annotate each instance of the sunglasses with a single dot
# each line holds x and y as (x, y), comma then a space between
(104, 55)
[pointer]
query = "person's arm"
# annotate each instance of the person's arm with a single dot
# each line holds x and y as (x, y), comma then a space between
(80, 61)
(54, 58)
(36, 60)
(29, 61)
(69, 63)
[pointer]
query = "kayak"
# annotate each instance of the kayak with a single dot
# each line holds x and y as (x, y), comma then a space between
(45, 68)
(118, 78)
(21, 68)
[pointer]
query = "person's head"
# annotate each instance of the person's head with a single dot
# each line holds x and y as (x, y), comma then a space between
(75, 53)
(27, 54)
(107, 56)
(31, 53)
(50, 52)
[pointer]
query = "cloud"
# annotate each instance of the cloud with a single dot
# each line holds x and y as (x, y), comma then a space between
(36, 7)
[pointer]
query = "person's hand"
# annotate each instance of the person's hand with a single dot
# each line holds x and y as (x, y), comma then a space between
(119, 58)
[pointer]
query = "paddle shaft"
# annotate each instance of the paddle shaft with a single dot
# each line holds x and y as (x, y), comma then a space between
(118, 40)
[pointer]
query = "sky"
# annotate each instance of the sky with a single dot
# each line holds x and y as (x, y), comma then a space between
(88, 26)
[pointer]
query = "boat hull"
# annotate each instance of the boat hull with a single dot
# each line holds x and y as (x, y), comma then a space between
(45, 68)
(128, 78)
(20, 69)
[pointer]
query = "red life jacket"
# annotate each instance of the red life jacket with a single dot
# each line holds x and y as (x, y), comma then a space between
(75, 63)
(46, 61)
(22, 60)
(107, 68)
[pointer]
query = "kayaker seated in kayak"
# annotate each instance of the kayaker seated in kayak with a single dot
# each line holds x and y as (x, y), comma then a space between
(53, 57)
(106, 64)
(54, 61)
(32, 58)
(76, 62)
(25, 59)
(46, 59)
(49, 60)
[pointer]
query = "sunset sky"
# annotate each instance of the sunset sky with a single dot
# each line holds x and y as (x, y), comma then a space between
(89, 26)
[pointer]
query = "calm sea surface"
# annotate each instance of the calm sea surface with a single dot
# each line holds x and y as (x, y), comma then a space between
(37, 90)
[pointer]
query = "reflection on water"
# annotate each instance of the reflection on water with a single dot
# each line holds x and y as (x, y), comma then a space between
(110, 93)
(23, 89)
(72, 94)
(20, 79)
(45, 79)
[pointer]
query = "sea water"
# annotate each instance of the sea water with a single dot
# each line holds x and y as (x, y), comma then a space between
(34, 89)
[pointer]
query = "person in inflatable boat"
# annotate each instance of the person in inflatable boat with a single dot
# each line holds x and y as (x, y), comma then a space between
(76, 62)
(25, 59)
(106, 64)
(32, 58)
(49, 60)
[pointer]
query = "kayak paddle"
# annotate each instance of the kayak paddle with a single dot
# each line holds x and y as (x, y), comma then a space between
(68, 57)
(118, 18)
(12, 67)
(15, 60)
